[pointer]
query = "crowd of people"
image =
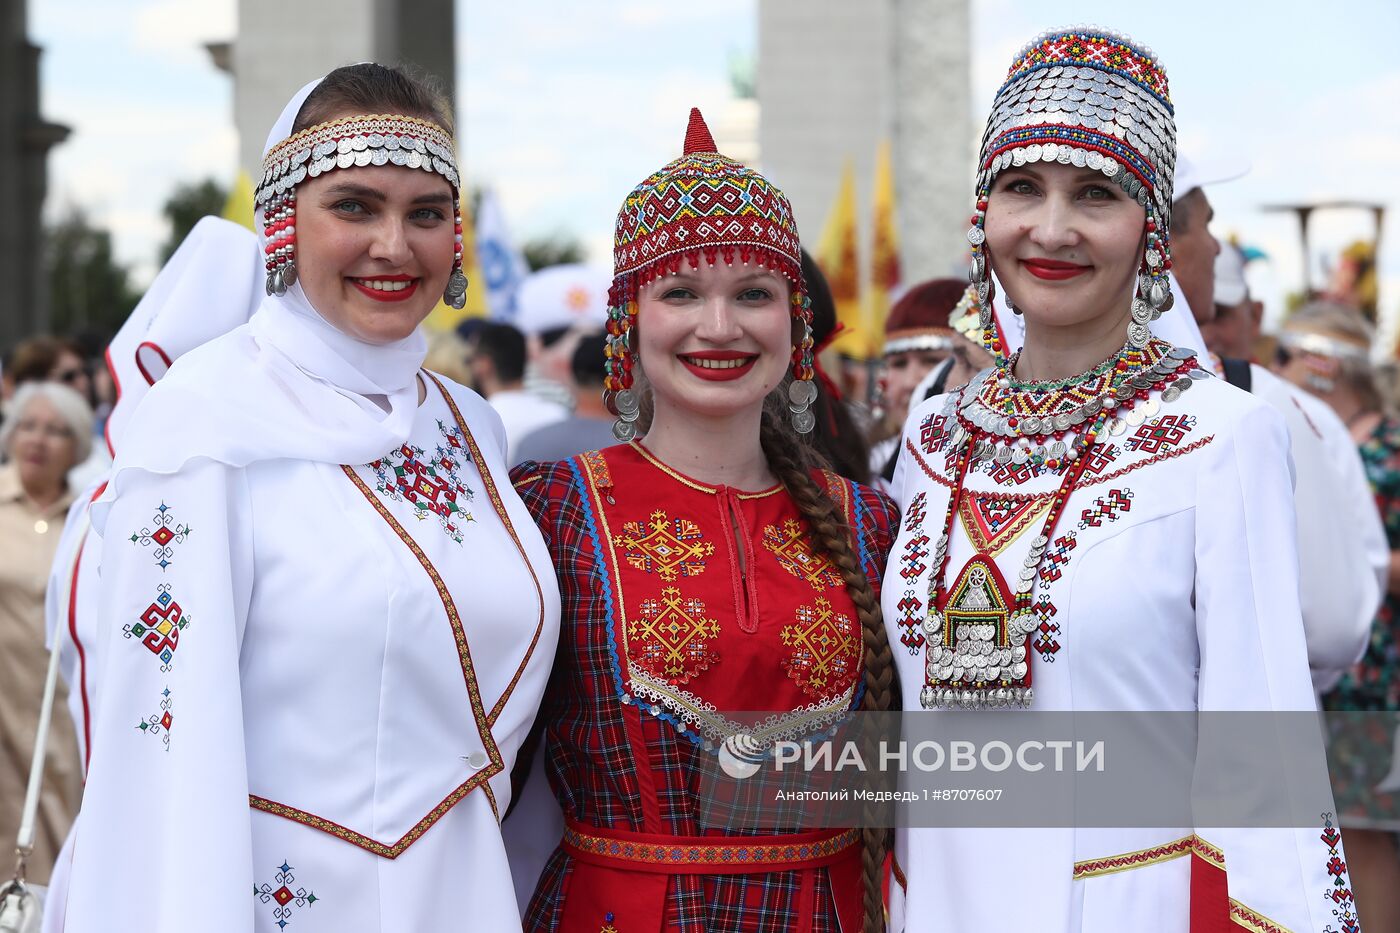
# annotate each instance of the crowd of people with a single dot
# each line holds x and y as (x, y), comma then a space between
(404, 632)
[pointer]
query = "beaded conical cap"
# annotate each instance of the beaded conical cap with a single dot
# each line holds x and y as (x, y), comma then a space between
(705, 203)
(1087, 97)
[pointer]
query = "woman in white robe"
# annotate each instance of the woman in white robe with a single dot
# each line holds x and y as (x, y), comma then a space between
(327, 619)
(1123, 519)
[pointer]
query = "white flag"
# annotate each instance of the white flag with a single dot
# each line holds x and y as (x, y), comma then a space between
(502, 265)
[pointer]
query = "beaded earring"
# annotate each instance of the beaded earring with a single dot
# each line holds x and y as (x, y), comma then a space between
(980, 279)
(802, 391)
(618, 395)
(1154, 293)
(455, 294)
(279, 229)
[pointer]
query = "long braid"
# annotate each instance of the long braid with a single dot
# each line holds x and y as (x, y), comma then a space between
(789, 459)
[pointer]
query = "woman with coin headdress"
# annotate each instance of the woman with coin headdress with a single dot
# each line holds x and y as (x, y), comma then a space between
(712, 565)
(327, 619)
(1097, 524)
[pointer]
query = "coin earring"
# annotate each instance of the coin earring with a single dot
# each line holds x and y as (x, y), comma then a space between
(280, 232)
(1154, 292)
(802, 391)
(618, 394)
(455, 294)
(980, 278)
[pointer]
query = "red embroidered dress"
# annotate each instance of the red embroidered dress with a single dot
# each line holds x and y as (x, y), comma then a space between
(683, 601)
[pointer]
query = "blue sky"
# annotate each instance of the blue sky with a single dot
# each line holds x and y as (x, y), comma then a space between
(565, 105)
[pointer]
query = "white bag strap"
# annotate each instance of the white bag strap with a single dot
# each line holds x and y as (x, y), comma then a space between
(24, 840)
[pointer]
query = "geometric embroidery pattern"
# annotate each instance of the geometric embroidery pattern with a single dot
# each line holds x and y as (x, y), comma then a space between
(825, 652)
(1007, 474)
(668, 548)
(1044, 633)
(432, 487)
(1107, 507)
(669, 637)
(1342, 901)
(160, 626)
(167, 532)
(993, 521)
(790, 546)
(1162, 433)
(911, 567)
(160, 723)
(286, 900)
(1100, 457)
(932, 433)
(1056, 556)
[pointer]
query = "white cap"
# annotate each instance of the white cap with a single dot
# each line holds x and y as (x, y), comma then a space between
(1230, 286)
(1191, 175)
(569, 295)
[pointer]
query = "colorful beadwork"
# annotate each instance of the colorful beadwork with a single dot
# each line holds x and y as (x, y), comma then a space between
(670, 637)
(1097, 49)
(167, 532)
(1043, 638)
(992, 522)
(159, 723)
(159, 626)
(433, 486)
(825, 649)
(790, 545)
(933, 433)
(670, 548)
(279, 893)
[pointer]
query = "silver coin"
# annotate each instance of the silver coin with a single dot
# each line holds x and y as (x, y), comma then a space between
(1181, 353)
(1138, 334)
(802, 392)
(1030, 425)
(380, 157)
(415, 159)
(1141, 311)
(343, 146)
(1182, 384)
(1058, 450)
(1134, 418)
(1018, 670)
(804, 421)
(1117, 427)
(933, 624)
(359, 144)
(1003, 455)
(345, 159)
(1198, 374)
(363, 157)
(976, 236)
(624, 430)
(1123, 393)
(1171, 394)
(627, 402)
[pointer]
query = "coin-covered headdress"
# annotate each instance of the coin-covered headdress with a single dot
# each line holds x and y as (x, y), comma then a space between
(1092, 98)
(701, 207)
(374, 139)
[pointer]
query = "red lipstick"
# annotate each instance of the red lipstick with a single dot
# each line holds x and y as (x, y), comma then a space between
(1053, 270)
(718, 365)
(386, 294)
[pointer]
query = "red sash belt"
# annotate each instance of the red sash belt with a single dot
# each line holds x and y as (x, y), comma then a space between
(707, 855)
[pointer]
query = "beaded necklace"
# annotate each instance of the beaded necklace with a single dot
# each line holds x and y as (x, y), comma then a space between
(975, 654)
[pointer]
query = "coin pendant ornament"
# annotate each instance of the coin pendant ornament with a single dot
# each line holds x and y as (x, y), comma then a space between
(804, 421)
(627, 402)
(802, 392)
(1139, 335)
(455, 294)
(624, 430)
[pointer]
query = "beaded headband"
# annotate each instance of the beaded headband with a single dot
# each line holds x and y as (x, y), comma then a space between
(1323, 345)
(374, 139)
(701, 206)
(1089, 98)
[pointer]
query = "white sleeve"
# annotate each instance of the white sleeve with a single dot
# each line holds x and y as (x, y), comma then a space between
(1253, 657)
(163, 842)
(1340, 585)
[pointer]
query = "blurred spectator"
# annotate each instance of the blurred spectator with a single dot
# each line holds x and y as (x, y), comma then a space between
(590, 426)
(1234, 330)
(555, 308)
(447, 355)
(53, 359)
(1325, 349)
(497, 365)
(836, 435)
(918, 337)
(48, 430)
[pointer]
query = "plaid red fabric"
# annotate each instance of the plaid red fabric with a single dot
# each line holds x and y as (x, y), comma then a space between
(593, 763)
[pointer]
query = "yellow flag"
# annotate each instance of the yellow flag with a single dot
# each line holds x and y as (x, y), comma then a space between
(884, 250)
(836, 254)
(446, 317)
(238, 208)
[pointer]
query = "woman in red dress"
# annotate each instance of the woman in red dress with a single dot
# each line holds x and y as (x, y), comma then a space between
(714, 565)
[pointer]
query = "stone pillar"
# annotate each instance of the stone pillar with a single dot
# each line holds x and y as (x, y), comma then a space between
(935, 141)
(25, 140)
(282, 44)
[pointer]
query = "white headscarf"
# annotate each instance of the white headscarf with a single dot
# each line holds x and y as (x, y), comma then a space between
(287, 384)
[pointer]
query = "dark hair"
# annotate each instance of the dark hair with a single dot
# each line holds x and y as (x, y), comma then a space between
(371, 88)
(504, 346)
(587, 364)
(836, 435)
(793, 461)
(33, 360)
